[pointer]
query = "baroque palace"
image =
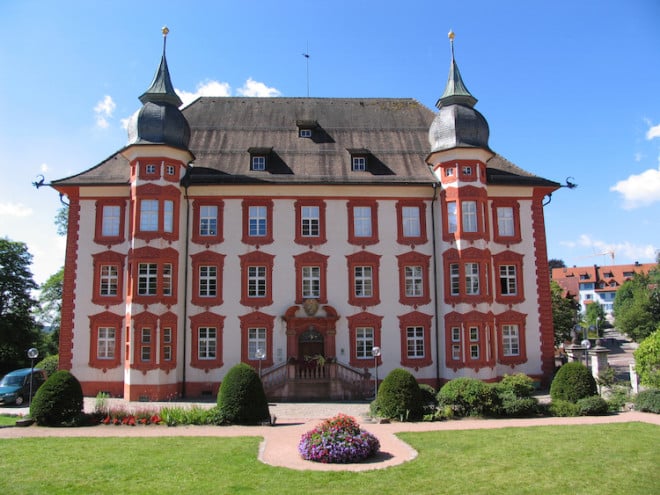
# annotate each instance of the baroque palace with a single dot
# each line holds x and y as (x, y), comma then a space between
(297, 235)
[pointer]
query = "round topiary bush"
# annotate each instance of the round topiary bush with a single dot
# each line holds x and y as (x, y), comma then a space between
(573, 382)
(399, 397)
(59, 401)
(648, 401)
(242, 399)
(338, 440)
(469, 397)
(593, 406)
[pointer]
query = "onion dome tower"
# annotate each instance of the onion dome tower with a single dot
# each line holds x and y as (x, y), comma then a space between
(457, 124)
(160, 121)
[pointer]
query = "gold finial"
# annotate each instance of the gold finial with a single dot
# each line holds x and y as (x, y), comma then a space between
(165, 30)
(451, 35)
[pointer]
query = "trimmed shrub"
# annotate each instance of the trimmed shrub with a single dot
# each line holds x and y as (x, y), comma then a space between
(519, 384)
(648, 401)
(518, 407)
(399, 397)
(242, 399)
(49, 364)
(429, 399)
(469, 397)
(563, 408)
(338, 440)
(573, 382)
(59, 401)
(647, 360)
(593, 406)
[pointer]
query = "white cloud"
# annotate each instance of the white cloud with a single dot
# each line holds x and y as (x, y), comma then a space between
(653, 132)
(17, 210)
(103, 110)
(622, 251)
(255, 88)
(639, 190)
(206, 88)
(44, 168)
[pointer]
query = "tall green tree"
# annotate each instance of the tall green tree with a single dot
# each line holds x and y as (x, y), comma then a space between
(50, 309)
(637, 305)
(564, 313)
(18, 329)
(594, 316)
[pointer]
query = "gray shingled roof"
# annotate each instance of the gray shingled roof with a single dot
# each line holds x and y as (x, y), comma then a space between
(224, 129)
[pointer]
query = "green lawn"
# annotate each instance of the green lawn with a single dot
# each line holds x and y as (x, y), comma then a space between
(598, 459)
(7, 420)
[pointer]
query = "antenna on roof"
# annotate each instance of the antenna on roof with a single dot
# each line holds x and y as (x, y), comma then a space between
(306, 55)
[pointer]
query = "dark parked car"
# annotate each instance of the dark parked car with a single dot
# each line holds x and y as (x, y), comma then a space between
(15, 386)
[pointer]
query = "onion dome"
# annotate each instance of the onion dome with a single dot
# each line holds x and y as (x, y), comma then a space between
(457, 124)
(160, 121)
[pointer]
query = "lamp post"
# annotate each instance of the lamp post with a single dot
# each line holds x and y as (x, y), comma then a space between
(260, 354)
(33, 354)
(376, 352)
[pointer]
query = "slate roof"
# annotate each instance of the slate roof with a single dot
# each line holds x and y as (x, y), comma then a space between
(393, 132)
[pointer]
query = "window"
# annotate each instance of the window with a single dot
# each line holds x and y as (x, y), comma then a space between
(452, 219)
(145, 344)
(256, 341)
(257, 221)
(310, 222)
(257, 268)
(259, 162)
(359, 164)
(363, 279)
(167, 344)
(510, 340)
(456, 354)
(474, 343)
(109, 280)
(207, 221)
(449, 172)
(467, 170)
(305, 133)
(469, 340)
(170, 170)
(105, 340)
(106, 343)
(257, 333)
(208, 281)
(508, 280)
(109, 221)
(455, 276)
(414, 278)
(362, 222)
(154, 275)
(415, 329)
(411, 224)
(207, 343)
(149, 215)
(364, 333)
(206, 332)
(311, 268)
(207, 269)
(469, 216)
(415, 342)
(472, 279)
(506, 219)
(150, 169)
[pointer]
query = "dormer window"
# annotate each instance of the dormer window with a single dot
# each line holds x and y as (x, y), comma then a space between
(359, 164)
(259, 158)
(306, 128)
(305, 133)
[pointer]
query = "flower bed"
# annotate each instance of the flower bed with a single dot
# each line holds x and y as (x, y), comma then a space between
(338, 440)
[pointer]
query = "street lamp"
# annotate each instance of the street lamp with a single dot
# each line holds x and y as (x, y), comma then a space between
(376, 352)
(260, 354)
(33, 354)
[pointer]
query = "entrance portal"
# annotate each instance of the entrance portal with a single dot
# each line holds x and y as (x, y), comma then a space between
(310, 345)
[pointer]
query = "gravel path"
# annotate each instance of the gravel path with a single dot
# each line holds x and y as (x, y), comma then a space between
(280, 442)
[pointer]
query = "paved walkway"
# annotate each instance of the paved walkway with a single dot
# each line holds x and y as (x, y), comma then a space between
(280, 442)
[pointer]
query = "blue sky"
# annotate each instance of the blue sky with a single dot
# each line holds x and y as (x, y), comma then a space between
(569, 89)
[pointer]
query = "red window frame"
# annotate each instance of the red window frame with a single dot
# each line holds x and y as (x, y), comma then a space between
(106, 320)
(362, 240)
(459, 196)
(207, 258)
(310, 240)
(411, 240)
(363, 258)
(514, 259)
(207, 240)
(99, 238)
(108, 258)
(363, 320)
(414, 258)
(257, 319)
(160, 257)
(511, 318)
(168, 320)
(257, 258)
(311, 258)
(160, 194)
(257, 240)
(415, 319)
(470, 255)
(515, 206)
(206, 319)
(145, 320)
(486, 340)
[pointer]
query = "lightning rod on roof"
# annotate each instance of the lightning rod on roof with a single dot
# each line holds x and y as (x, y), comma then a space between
(306, 55)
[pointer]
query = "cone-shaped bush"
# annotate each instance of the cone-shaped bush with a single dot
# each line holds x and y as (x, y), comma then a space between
(399, 397)
(573, 382)
(59, 401)
(241, 399)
